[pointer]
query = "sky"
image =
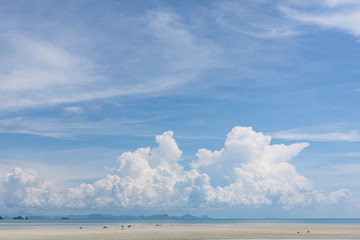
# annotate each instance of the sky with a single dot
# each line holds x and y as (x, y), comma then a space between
(233, 109)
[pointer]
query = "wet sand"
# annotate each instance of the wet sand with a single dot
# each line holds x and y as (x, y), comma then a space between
(186, 232)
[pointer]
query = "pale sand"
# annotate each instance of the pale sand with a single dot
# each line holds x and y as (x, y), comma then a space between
(185, 232)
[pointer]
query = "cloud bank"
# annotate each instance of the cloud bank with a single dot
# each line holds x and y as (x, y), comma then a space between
(247, 171)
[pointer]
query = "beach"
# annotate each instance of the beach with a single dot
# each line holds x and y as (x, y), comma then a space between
(187, 232)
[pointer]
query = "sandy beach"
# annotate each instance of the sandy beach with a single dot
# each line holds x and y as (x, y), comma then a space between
(177, 232)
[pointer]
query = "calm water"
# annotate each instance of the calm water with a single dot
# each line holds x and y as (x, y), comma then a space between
(84, 223)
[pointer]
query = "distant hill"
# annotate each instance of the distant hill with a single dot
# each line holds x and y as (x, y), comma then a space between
(130, 217)
(114, 217)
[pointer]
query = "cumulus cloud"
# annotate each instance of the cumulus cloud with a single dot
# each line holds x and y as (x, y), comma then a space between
(254, 172)
(23, 188)
(247, 171)
(145, 178)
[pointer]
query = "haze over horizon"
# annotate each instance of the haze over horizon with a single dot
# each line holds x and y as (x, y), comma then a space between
(221, 108)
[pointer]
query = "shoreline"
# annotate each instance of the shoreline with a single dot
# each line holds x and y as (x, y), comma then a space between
(188, 232)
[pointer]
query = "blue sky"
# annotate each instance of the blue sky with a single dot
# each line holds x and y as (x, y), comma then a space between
(87, 86)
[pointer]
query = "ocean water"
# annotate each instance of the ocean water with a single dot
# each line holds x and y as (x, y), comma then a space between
(83, 223)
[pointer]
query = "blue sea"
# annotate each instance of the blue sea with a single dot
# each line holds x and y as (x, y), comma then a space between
(83, 223)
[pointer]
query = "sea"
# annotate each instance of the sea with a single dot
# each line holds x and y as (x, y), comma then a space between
(6, 224)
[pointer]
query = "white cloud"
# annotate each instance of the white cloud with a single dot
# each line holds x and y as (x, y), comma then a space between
(145, 178)
(334, 197)
(354, 90)
(253, 172)
(333, 3)
(180, 44)
(74, 110)
(36, 72)
(301, 134)
(339, 14)
(254, 19)
(248, 171)
(23, 188)
(71, 128)
(283, 19)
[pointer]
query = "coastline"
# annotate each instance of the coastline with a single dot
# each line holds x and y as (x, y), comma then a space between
(188, 232)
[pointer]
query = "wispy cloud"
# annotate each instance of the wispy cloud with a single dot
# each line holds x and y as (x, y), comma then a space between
(313, 134)
(283, 19)
(74, 109)
(246, 18)
(355, 90)
(338, 14)
(40, 71)
(351, 154)
(346, 169)
(73, 128)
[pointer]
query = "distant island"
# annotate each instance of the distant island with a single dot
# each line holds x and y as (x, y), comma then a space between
(110, 217)
(130, 217)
